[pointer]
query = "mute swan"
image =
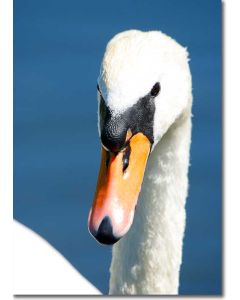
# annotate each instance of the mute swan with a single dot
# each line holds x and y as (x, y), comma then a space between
(144, 100)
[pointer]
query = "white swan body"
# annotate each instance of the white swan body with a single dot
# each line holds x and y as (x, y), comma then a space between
(39, 269)
(147, 259)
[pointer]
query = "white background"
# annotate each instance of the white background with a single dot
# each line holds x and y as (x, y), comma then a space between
(231, 178)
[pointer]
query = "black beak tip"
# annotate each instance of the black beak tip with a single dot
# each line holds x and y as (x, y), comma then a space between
(105, 234)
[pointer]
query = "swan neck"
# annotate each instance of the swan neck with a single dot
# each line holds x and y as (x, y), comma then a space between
(148, 259)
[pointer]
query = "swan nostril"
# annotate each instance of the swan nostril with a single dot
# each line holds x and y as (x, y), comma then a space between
(105, 232)
(126, 156)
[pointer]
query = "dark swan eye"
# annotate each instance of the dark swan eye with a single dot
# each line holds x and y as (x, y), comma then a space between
(155, 89)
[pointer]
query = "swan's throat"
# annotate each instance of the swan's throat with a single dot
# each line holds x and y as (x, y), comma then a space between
(147, 260)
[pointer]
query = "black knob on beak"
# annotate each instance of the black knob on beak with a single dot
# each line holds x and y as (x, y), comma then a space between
(113, 133)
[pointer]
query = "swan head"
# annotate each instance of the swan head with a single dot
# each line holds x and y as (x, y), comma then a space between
(143, 87)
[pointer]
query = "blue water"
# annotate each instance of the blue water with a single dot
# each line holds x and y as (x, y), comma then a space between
(58, 47)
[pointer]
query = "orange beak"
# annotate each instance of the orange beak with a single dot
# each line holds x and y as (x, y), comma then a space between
(119, 184)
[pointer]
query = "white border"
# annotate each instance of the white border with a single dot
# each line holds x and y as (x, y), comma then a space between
(231, 161)
(232, 149)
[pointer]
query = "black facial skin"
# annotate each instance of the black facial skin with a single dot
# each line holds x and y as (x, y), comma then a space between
(138, 118)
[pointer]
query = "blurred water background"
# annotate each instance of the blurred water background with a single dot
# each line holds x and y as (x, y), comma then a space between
(58, 47)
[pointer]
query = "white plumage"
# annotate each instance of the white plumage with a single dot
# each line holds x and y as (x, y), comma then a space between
(147, 259)
(39, 269)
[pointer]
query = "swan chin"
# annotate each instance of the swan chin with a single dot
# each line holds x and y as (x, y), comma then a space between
(119, 184)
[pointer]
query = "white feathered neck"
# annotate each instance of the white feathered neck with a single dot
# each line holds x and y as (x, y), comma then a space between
(147, 260)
